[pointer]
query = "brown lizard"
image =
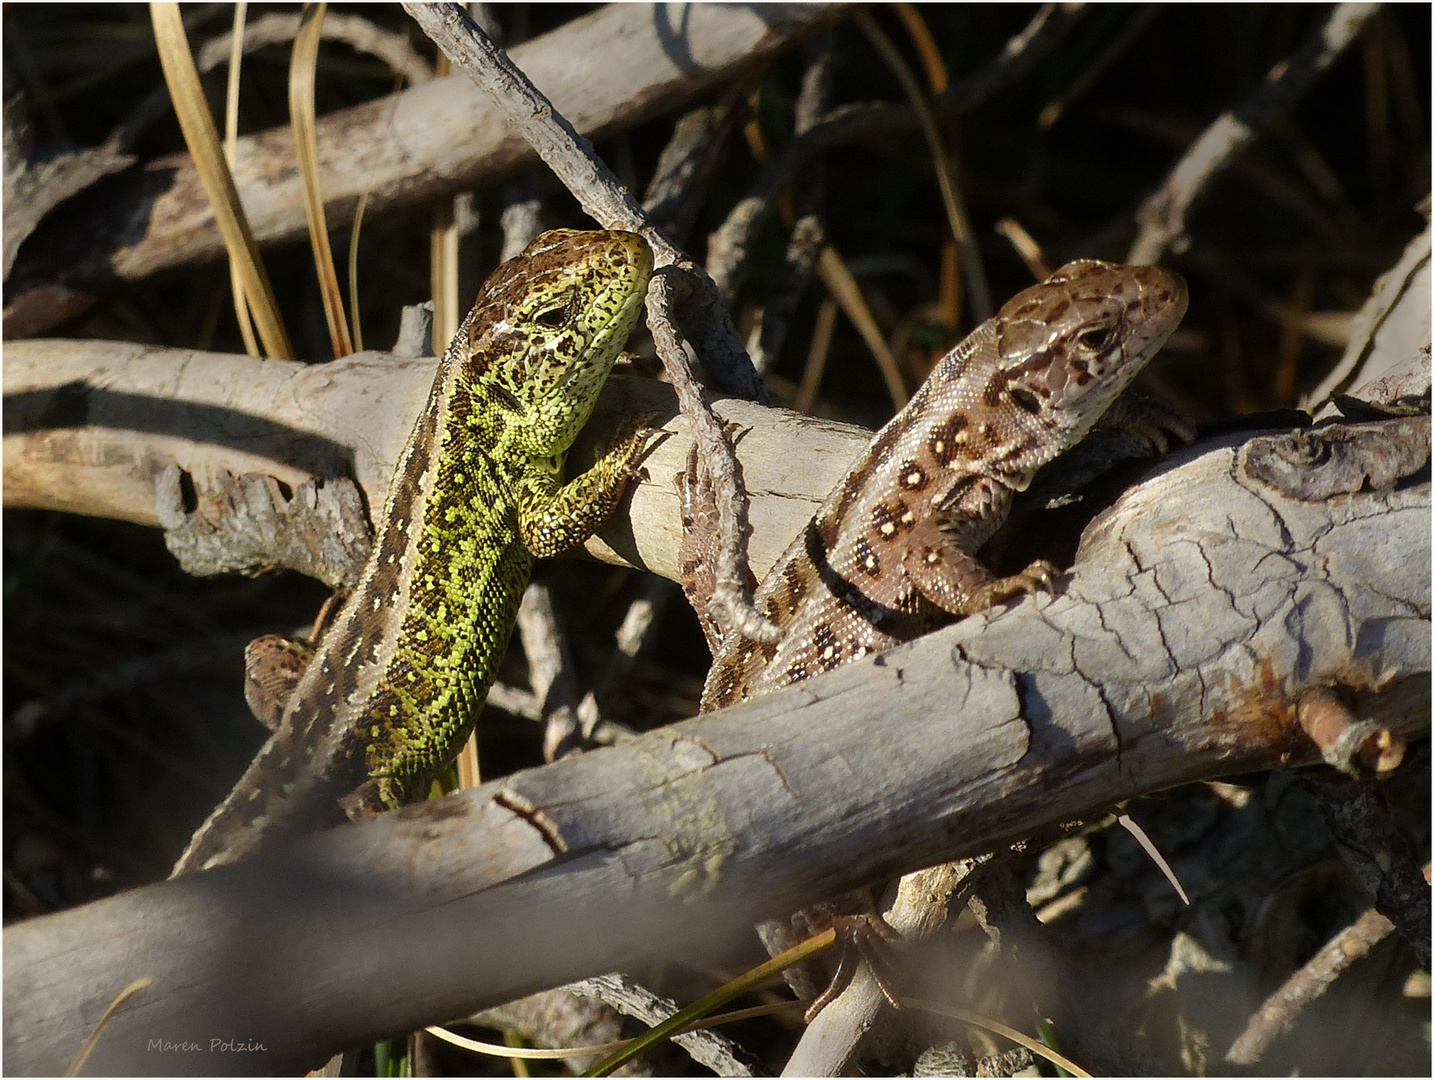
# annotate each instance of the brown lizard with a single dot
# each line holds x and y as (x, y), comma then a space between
(891, 554)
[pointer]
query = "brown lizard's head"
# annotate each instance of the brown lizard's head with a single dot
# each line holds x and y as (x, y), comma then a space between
(547, 327)
(1068, 346)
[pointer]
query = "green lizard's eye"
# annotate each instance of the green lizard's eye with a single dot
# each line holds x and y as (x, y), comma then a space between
(553, 318)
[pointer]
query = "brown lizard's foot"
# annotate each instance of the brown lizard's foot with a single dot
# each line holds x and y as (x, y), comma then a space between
(860, 937)
(1038, 577)
(273, 666)
(1149, 421)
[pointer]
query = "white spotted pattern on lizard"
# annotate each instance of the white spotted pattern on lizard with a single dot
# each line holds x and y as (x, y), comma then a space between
(891, 554)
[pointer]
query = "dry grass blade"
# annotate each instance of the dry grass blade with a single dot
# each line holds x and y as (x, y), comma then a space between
(301, 116)
(120, 998)
(1148, 846)
(354, 271)
(816, 357)
(528, 1053)
(844, 289)
(203, 141)
(812, 946)
(920, 34)
(998, 1028)
(443, 261)
(1026, 247)
(231, 153)
(976, 286)
(443, 276)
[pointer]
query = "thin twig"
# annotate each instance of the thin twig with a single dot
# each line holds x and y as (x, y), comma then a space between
(685, 168)
(1047, 29)
(1162, 217)
(730, 602)
(1282, 1008)
(643, 614)
(549, 669)
(521, 219)
(1131, 27)
(1379, 854)
(733, 240)
(808, 233)
(604, 198)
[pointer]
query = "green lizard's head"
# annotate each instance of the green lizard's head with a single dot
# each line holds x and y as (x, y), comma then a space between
(546, 328)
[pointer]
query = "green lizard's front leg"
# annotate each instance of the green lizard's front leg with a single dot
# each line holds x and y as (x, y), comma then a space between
(555, 517)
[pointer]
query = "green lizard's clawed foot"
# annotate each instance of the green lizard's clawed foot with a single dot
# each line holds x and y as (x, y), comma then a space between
(553, 520)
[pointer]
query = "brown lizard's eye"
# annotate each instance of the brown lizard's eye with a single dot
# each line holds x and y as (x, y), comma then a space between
(1097, 338)
(552, 318)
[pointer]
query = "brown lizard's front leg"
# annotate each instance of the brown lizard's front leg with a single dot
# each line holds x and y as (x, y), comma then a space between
(959, 583)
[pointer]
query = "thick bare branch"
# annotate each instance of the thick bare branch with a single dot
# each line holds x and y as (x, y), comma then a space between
(89, 426)
(1200, 609)
(606, 72)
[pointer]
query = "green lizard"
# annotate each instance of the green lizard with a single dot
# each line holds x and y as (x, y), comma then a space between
(397, 680)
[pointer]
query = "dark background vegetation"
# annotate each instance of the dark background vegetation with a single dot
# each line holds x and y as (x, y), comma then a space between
(124, 722)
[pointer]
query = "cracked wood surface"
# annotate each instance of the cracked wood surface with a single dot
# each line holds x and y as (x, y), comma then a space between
(1200, 609)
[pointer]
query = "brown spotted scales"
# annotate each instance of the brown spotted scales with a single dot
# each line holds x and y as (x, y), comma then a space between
(891, 554)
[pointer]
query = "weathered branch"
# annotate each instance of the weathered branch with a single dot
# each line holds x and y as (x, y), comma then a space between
(89, 427)
(1162, 217)
(1200, 609)
(606, 72)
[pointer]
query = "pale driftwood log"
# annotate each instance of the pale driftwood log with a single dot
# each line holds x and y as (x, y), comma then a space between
(89, 426)
(1200, 609)
(606, 72)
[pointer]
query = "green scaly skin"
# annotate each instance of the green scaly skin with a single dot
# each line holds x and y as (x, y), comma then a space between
(397, 681)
